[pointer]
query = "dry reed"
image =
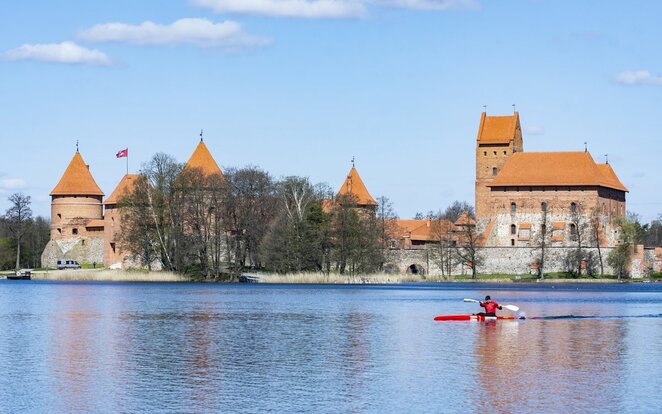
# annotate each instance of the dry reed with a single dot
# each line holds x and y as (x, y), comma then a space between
(107, 275)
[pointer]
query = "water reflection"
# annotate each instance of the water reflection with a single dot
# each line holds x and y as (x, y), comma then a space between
(200, 348)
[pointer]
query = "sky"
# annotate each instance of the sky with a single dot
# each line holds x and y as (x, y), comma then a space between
(300, 87)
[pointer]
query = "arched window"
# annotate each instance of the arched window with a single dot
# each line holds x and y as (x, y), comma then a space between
(513, 229)
(543, 206)
(494, 170)
(573, 229)
(573, 208)
(513, 207)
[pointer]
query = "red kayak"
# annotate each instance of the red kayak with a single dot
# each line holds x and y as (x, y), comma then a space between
(474, 318)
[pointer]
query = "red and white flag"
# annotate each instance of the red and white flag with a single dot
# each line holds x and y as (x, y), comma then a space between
(122, 153)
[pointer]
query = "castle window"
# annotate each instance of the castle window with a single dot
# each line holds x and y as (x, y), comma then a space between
(573, 229)
(543, 206)
(59, 231)
(112, 246)
(512, 242)
(494, 152)
(494, 170)
(513, 229)
(513, 207)
(82, 242)
(484, 153)
(504, 153)
(59, 216)
(573, 208)
(543, 228)
(394, 244)
(74, 231)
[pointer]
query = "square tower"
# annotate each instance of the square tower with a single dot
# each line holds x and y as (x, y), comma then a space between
(499, 137)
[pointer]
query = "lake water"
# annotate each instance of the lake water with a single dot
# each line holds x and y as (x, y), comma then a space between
(190, 348)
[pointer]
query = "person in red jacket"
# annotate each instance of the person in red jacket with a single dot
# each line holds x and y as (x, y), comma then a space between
(490, 307)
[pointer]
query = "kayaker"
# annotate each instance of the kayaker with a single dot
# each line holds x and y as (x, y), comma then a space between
(490, 307)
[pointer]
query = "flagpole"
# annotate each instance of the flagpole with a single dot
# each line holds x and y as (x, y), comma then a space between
(127, 160)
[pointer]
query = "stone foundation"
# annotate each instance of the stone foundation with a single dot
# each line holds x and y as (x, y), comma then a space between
(497, 260)
(81, 249)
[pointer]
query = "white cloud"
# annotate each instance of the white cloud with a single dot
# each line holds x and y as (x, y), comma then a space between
(65, 52)
(431, 4)
(11, 184)
(199, 32)
(533, 130)
(638, 77)
(307, 9)
(327, 9)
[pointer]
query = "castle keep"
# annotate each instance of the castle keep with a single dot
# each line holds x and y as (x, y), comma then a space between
(524, 199)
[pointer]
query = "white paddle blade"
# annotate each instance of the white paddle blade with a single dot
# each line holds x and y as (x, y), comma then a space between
(511, 307)
(472, 300)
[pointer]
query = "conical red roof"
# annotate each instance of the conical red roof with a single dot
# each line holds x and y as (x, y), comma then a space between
(124, 187)
(202, 160)
(77, 180)
(354, 186)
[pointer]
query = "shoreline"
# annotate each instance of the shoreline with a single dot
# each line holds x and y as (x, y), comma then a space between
(108, 275)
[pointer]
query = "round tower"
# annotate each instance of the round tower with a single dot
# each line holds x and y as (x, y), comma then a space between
(76, 208)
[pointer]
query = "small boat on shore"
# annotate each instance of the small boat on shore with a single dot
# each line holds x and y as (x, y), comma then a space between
(477, 318)
(23, 274)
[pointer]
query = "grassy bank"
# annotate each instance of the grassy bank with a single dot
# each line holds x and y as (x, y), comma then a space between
(107, 275)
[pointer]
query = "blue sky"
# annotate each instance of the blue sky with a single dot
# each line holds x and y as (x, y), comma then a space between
(299, 87)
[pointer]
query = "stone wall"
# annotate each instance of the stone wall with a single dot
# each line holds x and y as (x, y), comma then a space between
(80, 249)
(496, 260)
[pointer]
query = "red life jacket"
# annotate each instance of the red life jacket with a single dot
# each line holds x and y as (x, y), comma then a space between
(490, 307)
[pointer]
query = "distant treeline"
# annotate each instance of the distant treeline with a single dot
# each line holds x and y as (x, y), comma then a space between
(219, 226)
(22, 237)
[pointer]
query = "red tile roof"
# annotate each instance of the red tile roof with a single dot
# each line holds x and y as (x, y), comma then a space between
(555, 169)
(124, 187)
(424, 230)
(465, 220)
(77, 180)
(497, 129)
(611, 177)
(95, 223)
(354, 186)
(202, 159)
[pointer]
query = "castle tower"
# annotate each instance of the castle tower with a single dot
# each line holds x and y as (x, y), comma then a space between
(498, 138)
(77, 224)
(202, 160)
(353, 186)
(113, 254)
(76, 208)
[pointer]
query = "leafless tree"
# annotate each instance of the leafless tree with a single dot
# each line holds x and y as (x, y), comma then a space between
(595, 228)
(442, 248)
(18, 217)
(249, 207)
(543, 237)
(152, 215)
(467, 249)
